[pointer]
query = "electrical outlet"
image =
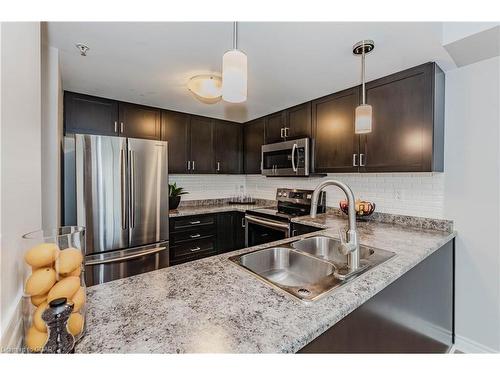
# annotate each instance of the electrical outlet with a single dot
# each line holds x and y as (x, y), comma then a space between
(398, 195)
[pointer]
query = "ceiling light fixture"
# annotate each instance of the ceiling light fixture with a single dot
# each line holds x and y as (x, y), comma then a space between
(234, 72)
(206, 87)
(82, 48)
(363, 114)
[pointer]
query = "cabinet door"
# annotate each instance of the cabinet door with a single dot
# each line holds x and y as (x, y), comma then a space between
(225, 233)
(402, 128)
(336, 144)
(253, 136)
(239, 230)
(90, 115)
(202, 145)
(228, 147)
(137, 121)
(274, 124)
(298, 121)
(175, 130)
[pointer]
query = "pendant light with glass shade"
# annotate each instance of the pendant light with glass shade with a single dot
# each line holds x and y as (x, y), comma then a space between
(234, 72)
(363, 114)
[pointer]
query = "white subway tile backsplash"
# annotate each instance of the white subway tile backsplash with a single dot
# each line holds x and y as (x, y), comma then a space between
(415, 194)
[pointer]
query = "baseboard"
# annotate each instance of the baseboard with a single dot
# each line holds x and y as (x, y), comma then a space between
(465, 345)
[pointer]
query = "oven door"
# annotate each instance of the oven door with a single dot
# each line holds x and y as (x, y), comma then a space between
(290, 158)
(260, 230)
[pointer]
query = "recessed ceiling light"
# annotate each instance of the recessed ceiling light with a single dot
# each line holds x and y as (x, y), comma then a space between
(83, 48)
(206, 87)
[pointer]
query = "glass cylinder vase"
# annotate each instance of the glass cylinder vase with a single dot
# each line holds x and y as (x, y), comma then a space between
(53, 270)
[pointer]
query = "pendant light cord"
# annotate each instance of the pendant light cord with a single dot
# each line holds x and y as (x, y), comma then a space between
(235, 35)
(363, 71)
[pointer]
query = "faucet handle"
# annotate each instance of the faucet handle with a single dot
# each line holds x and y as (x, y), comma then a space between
(345, 246)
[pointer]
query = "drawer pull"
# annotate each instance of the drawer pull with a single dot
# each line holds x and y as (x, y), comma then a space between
(197, 248)
(195, 235)
(195, 222)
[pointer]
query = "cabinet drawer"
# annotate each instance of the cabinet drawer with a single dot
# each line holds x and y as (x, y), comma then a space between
(193, 249)
(189, 222)
(191, 234)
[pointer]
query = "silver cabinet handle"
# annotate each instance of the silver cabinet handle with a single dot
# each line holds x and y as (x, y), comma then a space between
(132, 188)
(294, 148)
(281, 132)
(121, 127)
(218, 166)
(123, 173)
(243, 222)
(286, 132)
(193, 165)
(361, 160)
(116, 126)
(197, 248)
(189, 165)
(194, 222)
(354, 160)
(195, 235)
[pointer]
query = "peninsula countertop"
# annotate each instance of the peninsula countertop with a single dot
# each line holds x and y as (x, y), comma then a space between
(212, 305)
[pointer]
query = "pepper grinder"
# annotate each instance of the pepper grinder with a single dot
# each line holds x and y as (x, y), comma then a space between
(56, 317)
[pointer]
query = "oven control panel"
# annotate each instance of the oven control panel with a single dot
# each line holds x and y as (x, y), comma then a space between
(295, 196)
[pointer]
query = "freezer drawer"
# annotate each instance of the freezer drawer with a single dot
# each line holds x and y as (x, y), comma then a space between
(104, 267)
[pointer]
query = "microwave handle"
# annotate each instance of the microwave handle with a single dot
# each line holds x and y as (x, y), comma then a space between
(294, 148)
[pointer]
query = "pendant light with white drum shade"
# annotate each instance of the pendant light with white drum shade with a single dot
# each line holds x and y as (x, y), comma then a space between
(234, 72)
(363, 114)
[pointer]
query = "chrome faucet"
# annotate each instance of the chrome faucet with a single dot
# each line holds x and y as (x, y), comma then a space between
(349, 245)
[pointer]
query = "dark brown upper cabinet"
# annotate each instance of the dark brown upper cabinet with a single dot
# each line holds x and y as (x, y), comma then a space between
(336, 144)
(137, 121)
(408, 122)
(90, 115)
(292, 123)
(253, 139)
(228, 147)
(201, 139)
(298, 121)
(175, 130)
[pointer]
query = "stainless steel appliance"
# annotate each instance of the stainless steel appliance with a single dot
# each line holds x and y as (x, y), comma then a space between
(274, 223)
(118, 189)
(289, 158)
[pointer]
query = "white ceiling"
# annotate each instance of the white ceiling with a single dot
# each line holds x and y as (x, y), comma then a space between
(288, 63)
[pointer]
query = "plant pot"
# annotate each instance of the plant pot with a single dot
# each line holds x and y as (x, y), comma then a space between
(173, 202)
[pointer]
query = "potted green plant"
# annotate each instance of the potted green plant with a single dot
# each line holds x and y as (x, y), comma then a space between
(174, 195)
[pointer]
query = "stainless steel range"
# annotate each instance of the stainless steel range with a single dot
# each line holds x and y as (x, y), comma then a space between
(274, 223)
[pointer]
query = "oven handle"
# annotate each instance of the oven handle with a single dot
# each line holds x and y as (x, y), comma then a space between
(267, 223)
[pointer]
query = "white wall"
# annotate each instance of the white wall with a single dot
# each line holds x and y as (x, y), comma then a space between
(20, 171)
(472, 181)
(52, 132)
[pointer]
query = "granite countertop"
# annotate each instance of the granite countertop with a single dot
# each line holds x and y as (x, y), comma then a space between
(212, 305)
(214, 208)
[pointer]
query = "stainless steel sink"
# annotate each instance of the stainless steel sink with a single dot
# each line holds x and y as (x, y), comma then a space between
(307, 269)
(301, 275)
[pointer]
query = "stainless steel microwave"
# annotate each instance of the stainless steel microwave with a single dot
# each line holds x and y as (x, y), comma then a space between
(289, 158)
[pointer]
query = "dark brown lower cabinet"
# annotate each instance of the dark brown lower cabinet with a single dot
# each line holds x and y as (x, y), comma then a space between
(414, 314)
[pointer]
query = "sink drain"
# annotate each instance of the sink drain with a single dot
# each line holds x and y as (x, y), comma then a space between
(304, 292)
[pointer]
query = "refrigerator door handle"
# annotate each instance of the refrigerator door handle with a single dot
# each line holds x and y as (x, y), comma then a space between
(123, 258)
(123, 181)
(132, 188)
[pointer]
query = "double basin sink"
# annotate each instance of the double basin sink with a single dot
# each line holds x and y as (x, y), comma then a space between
(310, 268)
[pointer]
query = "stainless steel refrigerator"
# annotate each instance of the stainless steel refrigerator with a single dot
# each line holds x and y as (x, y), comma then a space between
(118, 189)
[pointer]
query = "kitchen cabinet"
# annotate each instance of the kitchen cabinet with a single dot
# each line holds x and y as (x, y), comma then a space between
(87, 114)
(253, 137)
(408, 122)
(228, 147)
(239, 230)
(300, 229)
(336, 144)
(137, 121)
(275, 127)
(201, 139)
(230, 231)
(291, 123)
(175, 130)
